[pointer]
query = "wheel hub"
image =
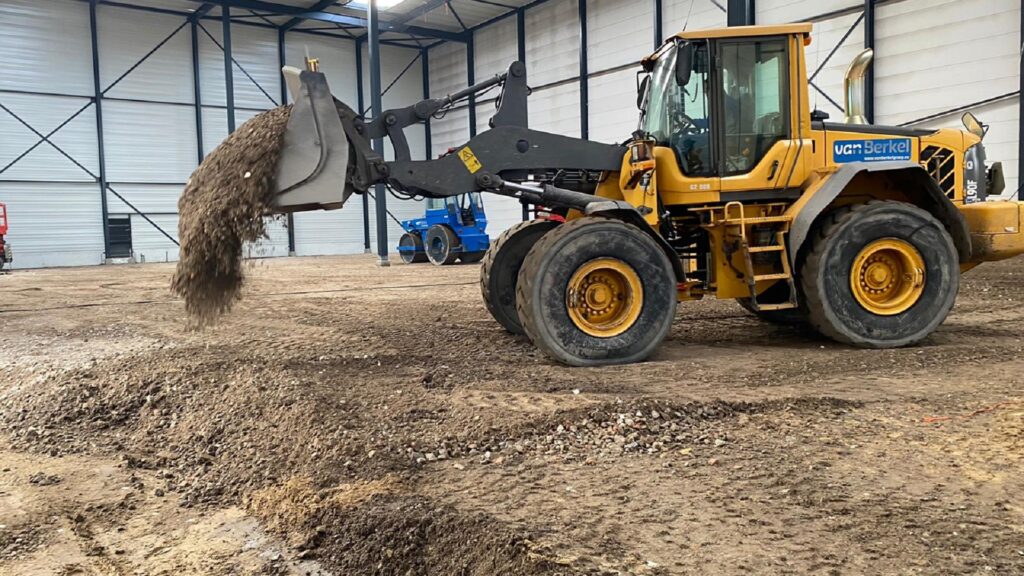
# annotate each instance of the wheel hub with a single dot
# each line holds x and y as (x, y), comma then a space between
(604, 297)
(887, 277)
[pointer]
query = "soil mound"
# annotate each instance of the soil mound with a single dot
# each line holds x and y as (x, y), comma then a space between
(221, 209)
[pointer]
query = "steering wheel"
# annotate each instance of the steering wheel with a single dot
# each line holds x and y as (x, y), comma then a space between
(685, 124)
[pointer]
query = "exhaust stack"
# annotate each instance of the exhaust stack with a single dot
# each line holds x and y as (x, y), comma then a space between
(854, 86)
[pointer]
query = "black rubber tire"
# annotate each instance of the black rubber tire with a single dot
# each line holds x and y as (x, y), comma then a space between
(471, 257)
(441, 246)
(776, 294)
(499, 274)
(543, 279)
(410, 239)
(825, 277)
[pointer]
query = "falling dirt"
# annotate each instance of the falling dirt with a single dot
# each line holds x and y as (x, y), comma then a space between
(222, 207)
(355, 422)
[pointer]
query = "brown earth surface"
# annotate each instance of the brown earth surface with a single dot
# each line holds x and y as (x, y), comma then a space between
(349, 419)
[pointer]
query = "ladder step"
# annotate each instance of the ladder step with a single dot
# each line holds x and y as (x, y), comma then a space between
(782, 306)
(775, 248)
(757, 220)
(780, 276)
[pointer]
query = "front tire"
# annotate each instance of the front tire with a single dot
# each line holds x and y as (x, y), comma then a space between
(441, 245)
(880, 275)
(499, 274)
(595, 292)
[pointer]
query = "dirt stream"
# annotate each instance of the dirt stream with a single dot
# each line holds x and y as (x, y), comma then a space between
(344, 419)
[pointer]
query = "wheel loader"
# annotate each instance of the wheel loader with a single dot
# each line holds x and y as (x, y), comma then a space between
(731, 187)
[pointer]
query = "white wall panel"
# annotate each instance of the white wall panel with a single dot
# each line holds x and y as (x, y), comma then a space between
(556, 110)
(149, 142)
(255, 51)
(618, 33)
(330, 231)
(786, 11)
(496, 46)
(125, 36)
(211, 64)
(692, 15)
(148, 243)
(147, 198)
(919, 70)
(825, 35)
(45, 46)
(215, 127)
(553, 42)
(613, 112)
(45, 113)
(337, 61)
(53, 224)
(450, 131)
(447, 69)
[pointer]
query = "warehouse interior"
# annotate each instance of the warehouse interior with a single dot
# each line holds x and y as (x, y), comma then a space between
(109, 106)
(743, 295)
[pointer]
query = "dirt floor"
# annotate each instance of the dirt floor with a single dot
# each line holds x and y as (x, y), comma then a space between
(346, 419)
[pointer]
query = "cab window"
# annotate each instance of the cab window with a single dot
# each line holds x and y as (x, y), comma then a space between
(754, 101)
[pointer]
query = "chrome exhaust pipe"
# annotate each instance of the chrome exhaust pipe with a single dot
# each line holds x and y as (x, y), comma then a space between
(854, 87)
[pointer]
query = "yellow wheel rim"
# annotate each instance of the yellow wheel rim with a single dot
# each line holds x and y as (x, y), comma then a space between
(604, 297)
(887, 277)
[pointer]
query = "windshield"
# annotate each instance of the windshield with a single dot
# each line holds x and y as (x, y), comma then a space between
(678, 116)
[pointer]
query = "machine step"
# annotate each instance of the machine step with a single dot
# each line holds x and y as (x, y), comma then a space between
(780, 306)
(780, 276)
(773, 248)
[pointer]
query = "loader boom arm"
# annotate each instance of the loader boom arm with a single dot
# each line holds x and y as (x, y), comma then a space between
(508, 151)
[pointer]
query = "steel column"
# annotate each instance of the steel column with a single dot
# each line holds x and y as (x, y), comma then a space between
(521, 52)
(197, 96)
(869, 76)
(740, 13)
(659, 23)
(377, 108)
(425, 57)
(281, 60)
(584, 74)
(229, 75)
(361, 103)
(470, 80)
(98, 93)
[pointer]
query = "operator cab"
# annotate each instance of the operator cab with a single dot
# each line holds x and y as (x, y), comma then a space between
(463, 208)
(720, 103)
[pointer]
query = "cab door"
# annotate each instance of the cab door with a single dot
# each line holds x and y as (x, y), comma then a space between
(761, 108)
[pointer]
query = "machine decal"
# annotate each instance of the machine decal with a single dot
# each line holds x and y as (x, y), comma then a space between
(470, 160)
(871, 150)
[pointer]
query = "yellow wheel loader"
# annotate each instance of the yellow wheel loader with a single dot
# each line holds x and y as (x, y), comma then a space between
(731, 187)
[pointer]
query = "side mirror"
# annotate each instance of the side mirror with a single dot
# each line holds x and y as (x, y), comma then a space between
(641, 91)
(973, 125)
(684, 64)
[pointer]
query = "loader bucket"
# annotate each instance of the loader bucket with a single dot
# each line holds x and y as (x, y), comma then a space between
(314, 161)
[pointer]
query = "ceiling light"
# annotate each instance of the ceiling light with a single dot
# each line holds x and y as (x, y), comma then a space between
(381, 4)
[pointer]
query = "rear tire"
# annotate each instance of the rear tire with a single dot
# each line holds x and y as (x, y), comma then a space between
(441, 245)
(499, 274)
(595, 292)
(408, 256)
(880, 275)
(471, 257)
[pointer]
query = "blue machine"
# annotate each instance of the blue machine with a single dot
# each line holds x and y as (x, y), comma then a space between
(453, 228)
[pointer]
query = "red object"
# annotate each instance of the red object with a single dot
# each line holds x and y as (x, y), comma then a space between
(3, 219)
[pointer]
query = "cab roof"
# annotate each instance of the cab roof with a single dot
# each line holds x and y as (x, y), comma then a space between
(745, 31)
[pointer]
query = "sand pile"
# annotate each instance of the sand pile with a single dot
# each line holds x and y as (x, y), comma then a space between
(221, 209)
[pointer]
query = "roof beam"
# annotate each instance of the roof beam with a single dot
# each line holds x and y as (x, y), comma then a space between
(314, 8)
(421, 10)
(307, 14)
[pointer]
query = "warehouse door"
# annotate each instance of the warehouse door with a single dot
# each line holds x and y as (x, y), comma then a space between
(119, 230)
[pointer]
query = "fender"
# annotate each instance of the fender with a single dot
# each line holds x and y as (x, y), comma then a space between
(909, 177)
(626, 212)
